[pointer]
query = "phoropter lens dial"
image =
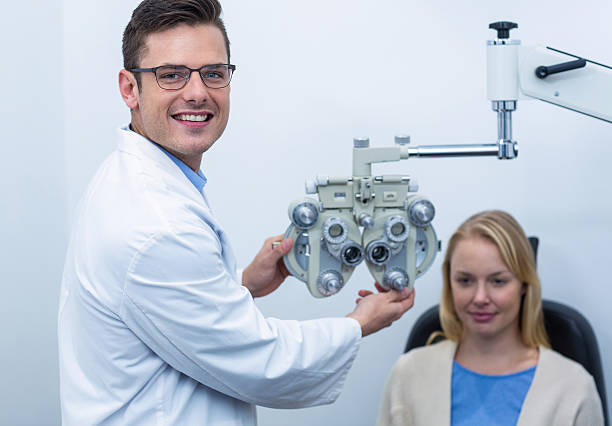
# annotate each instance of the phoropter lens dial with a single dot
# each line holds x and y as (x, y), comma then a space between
(335, 230)
(397, 229)
(351, 254)
(378, 252)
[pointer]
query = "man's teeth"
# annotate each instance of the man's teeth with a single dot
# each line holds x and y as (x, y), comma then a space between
(193, 117)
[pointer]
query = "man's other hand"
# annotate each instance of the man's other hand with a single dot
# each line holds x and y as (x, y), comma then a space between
(267, 271)
(377, 311)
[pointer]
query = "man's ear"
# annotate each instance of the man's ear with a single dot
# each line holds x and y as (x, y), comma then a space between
(129, 89)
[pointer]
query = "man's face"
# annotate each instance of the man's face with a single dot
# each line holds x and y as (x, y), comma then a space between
(188, 121)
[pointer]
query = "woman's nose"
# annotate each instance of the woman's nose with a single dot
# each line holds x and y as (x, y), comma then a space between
(482, 295)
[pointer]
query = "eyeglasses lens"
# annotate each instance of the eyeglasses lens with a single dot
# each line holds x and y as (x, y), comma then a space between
(175, 77)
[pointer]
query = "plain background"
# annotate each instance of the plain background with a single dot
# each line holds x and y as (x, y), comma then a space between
(311, 75)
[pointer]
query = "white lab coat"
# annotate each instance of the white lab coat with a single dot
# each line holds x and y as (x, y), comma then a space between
(154, 325)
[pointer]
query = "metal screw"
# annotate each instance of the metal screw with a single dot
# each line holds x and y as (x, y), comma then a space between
(361, 142)
(402, 139)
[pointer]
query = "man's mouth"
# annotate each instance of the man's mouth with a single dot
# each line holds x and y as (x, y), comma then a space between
(197, 118)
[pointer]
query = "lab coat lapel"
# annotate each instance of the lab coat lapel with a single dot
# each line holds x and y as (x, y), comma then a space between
(136, 144)
(228, 253)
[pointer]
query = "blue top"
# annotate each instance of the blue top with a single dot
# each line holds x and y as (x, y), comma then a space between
(478, 399)
(197, 179)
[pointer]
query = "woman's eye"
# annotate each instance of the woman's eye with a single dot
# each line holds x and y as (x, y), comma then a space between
(499, 281)
(463, 280)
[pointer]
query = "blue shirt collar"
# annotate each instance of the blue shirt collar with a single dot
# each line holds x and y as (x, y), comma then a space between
(197, 179)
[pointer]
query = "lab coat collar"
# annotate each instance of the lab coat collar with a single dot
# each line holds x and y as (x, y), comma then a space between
(197, 179)
(136, 144)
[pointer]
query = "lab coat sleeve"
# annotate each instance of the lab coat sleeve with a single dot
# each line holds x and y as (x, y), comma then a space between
(180, 300)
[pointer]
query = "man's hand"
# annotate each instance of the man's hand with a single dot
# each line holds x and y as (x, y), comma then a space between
(377, 311)
(267, 271)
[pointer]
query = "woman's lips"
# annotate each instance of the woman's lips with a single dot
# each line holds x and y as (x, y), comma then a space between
(482, 316)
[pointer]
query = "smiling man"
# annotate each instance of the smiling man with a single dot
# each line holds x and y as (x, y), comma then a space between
(189, 114)
(156, 324)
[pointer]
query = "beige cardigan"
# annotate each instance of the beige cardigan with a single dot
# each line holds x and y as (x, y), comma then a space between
(418, 391)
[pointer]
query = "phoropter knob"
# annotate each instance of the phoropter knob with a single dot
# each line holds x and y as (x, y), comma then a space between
(304, 215)
(402, 139)
(396, 278)
(421, 213)
(361, 142)
(329, 282)
(366, 220)
(503, 28)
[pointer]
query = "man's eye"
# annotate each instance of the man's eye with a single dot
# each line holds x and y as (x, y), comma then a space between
(169, 76)
(213, 75)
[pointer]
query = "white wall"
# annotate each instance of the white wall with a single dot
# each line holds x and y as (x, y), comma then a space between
(311, 75)
(33, 223)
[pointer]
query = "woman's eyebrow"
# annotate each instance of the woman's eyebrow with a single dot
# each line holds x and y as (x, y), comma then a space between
(499, 273)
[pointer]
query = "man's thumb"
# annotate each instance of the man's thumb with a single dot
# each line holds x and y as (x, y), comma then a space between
(284, 247)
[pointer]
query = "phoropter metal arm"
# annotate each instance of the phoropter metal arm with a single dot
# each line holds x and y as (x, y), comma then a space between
(536, 72)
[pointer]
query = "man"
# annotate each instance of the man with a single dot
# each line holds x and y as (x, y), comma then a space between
(156, 325)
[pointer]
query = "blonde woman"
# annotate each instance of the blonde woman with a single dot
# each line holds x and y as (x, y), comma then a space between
(494, 365)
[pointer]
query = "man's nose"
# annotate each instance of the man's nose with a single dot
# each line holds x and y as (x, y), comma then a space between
(195, 90)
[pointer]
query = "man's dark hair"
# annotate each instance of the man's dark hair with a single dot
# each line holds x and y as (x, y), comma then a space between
(152, 16)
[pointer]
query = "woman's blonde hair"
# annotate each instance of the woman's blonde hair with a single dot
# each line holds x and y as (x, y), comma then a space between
(505, 232)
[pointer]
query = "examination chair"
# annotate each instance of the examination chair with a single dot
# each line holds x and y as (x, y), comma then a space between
(569, 331)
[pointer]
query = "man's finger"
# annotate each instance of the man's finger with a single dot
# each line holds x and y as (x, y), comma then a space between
(282, 247)
(276, 239)
(394, 295)
(408, 302)
(380, 288)
(283, 268)
(286, 245)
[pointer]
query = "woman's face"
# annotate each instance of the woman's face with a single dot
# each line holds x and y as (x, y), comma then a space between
(487, 295)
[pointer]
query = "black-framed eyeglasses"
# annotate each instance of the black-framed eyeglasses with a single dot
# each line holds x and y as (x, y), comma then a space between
(175, 77)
